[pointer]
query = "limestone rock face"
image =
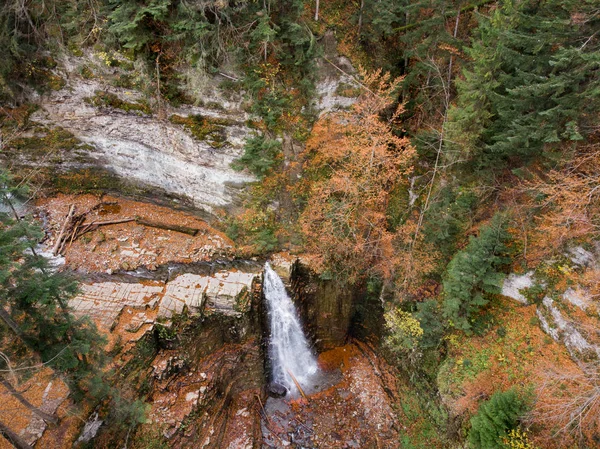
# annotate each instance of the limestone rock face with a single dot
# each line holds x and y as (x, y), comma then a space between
(147, 148)
(568, 315)
(337, 87)
(224, 292)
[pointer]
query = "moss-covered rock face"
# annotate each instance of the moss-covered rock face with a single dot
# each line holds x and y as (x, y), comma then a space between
(110, 100)
(54, 159)
(189, 155)
(205, 129)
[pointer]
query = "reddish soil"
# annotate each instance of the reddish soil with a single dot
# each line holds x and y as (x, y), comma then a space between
(130, 245)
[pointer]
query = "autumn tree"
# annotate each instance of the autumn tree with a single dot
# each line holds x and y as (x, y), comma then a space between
(355, 160)
(569, 404)
(568, 201)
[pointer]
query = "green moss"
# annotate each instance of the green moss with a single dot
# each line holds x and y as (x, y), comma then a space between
(347, 90)
(93, 180)
(242, 301)
(39, 73)
(86, 73)
(204, 129)
(126, 81)
(45, 142)
(107, 99)
(75, 49)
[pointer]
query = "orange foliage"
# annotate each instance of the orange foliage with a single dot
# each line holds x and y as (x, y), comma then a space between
(355, 160)
(570, 205)
(415, 258)
(569, 404)
(525, 356)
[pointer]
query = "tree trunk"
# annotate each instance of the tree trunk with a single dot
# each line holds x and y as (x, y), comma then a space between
(360, 17)
(12, 324)
(13, 438)
(19, 397)
(451, 55)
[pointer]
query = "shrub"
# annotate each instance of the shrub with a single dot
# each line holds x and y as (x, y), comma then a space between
(260, 154)
(404, 329)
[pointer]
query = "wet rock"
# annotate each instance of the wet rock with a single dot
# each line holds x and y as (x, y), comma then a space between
(276, 390)
(326, 307)
(170, 367)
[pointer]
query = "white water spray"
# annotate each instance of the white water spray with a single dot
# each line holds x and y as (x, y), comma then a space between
(289, 352)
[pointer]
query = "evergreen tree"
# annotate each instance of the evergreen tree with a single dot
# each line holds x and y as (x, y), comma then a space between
(34, 297)
(472, 273)
(260, 154)
(494, 419)
(533, 81)
(136, 23)
(34, 307)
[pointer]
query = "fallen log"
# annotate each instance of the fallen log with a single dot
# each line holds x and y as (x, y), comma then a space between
(96, 224)
(168, 227)
(76, 221)
(57, 244)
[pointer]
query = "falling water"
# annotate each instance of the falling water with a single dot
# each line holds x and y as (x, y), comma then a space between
(288, 348)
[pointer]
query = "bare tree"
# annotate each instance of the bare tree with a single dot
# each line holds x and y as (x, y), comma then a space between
(570, 402)
(32, 408)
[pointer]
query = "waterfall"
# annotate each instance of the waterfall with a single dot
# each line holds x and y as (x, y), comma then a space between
(288, 348)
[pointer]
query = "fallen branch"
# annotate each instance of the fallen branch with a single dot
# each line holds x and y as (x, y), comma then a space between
(269, 424)
(19, 397)
(176, 228)
(263, 409)
(228, 76)
(96, 224)
(72, 229)
(57, 244)
(13, 438)
(297, 385)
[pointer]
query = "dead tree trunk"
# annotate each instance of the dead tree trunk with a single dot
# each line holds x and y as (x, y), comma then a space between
(59, 239)
(19, 397)
(12, 437)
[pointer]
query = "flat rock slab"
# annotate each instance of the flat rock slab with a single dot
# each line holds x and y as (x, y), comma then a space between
(104, 301)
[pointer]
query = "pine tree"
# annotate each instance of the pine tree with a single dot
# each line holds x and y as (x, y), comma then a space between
(494, 419)
(34, 297)
(138, 24)
(472, 273)
(533, 81)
